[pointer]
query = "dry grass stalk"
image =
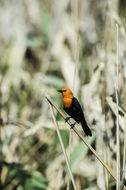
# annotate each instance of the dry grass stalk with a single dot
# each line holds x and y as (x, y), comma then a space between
(69, 152)
(117, 122)
(124, 160)
(62, 145)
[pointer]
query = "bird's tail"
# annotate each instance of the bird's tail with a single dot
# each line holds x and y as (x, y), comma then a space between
(86, 128)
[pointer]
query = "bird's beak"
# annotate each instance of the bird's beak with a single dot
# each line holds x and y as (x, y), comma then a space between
(59, 91)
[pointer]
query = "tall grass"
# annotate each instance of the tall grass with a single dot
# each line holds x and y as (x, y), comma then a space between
(117, 121)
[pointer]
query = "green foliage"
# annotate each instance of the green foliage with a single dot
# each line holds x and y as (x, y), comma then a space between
(85, 69)
(112, 185)
(46, 29)
(20, 187)
(46, 24)
(4, 68)
(6, 141)
(53, 81)
(27, 180)
(42, 40)
(80, 152)
(65, 138)
(36, 181)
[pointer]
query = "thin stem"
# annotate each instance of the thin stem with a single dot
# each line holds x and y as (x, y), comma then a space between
(124, 153)
(124, 163)
(76, 60)
(117, 121)
(62, 145)
(69, 152)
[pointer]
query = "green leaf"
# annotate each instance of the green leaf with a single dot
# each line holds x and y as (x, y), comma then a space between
(4, 67)
(112, 184)
(37, 175)
(34, 184)
(46, 24)
(5, 142)
(20, 187)
(80, 152)
(53, 81)
(65, 137)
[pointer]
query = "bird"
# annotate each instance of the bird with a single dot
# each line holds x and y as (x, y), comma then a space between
(73, 108)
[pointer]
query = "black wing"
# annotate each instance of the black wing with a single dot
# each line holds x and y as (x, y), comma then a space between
(82, 118)
(77, 107)
(76, 112)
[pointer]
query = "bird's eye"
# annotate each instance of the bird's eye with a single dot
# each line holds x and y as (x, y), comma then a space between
(64, 90)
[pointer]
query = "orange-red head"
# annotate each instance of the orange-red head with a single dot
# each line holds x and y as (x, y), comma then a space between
(66, 92)
(67, 96)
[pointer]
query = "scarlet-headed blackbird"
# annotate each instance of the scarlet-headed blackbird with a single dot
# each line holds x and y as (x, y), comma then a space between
(72, 107)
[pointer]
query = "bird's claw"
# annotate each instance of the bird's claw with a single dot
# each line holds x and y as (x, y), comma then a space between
(72, 125)
(67, 118)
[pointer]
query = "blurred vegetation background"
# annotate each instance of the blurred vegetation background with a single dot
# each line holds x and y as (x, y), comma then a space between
(46, 45)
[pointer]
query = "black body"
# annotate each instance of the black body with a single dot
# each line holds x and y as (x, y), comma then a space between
(75, 111)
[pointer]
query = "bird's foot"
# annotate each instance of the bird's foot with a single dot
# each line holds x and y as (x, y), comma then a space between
(67, 119)
(72, 125)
